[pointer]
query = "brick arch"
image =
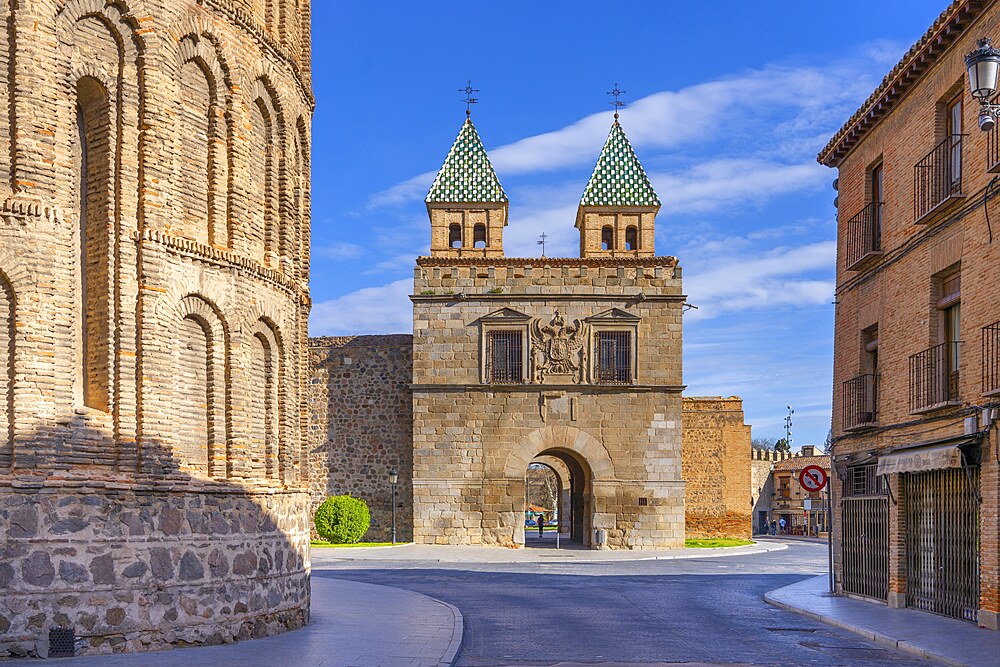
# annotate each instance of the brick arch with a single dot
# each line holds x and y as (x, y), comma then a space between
(574, 441)
(202, 51)
(267, 164)
(215, 462)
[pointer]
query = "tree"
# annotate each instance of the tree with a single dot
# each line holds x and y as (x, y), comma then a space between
(782, 446)
(828, 443)
(763, 443)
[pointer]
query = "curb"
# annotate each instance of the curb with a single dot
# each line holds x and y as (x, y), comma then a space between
(458, 635)
(724, 552)
(870, 635)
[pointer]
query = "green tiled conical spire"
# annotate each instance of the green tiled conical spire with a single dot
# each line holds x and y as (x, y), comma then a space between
(618, 178)
(467, 175)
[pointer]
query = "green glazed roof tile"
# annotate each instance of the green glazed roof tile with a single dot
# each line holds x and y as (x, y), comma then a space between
(467, 174)
(618, 178)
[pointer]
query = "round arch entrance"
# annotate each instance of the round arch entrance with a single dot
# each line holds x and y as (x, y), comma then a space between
(574, 503)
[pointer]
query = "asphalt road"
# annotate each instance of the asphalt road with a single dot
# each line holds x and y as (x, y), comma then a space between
(641, 612)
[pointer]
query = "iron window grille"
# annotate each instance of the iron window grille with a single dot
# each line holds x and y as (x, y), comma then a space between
(864, 235)
(863, 480)
(934, 377)
(505, 356)
(991, 359)
(614, 357)
(937, 177)
(860, 402)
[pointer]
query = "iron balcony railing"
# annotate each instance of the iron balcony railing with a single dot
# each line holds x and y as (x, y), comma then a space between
(993, 150)
(991, 359)
(864, 235)
(860, 402)
(938, 176)
(934, 377)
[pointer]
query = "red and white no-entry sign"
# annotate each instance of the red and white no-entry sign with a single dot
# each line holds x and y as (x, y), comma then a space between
(812, 478)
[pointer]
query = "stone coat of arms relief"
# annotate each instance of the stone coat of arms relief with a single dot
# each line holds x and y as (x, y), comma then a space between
(557, 351)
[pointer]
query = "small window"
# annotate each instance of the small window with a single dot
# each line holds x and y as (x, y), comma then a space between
(631, 238)
(479, 236)
(950, 307)
(954, 128)
(878, 195)
(455, 236)
(614, 357)
(607, 238)
(505, 356)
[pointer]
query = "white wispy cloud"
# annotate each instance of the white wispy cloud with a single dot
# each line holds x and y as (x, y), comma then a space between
(339, 250)
(372, 310)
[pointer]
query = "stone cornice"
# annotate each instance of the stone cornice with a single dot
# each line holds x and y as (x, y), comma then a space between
(550, 262)
(247, 22)
(223, 258)
(545, 296)
(942, 34)
(28, 481)
(541, 388)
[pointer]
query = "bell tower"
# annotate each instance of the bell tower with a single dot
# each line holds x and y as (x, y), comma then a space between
(466, 204)
(619, 206)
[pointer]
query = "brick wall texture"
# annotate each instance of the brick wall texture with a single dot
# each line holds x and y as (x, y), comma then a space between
(898, 291)
(716, 465)
(154, 262)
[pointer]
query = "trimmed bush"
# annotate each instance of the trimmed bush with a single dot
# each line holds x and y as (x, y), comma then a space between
(342, 520)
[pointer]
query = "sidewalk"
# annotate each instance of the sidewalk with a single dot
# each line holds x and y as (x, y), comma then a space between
(569, 553)
(352, 625)
(919, 633)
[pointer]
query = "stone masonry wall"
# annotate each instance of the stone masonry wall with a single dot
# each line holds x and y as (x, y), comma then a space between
(716, 464)
(473, 440)
(361, 426)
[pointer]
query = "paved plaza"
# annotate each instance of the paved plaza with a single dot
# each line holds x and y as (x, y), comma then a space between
(424, 606)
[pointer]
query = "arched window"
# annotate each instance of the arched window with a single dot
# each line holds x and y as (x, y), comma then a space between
(455, 236)
(94, 173)
(195, 157)
(6, 374)
(479, 235)
(266, 403)
(631, 238)
(607, 238)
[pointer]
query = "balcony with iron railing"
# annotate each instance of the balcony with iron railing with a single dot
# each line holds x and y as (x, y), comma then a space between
(934, 378)
(937, 178)
(991, 359)
(864, 236)
(860, 402)
(993, 150)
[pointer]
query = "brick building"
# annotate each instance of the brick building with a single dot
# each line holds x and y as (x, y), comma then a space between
(804, 511)
(574, 363)
(917, 331)
(154, 263)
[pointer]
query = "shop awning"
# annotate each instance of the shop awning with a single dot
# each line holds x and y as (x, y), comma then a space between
(922, 459)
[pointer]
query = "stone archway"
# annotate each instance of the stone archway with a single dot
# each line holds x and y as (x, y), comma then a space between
(583, 455)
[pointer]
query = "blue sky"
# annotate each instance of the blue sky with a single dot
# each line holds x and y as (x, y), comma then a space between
(728, 104)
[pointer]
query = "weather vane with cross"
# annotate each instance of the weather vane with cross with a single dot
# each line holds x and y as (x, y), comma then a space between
(469, 99)
(617, 103)
(541, 241)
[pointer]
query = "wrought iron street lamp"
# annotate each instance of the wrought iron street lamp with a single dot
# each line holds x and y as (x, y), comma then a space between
(393, 478)
(984, 69)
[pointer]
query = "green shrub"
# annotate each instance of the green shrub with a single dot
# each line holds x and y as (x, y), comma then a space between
(342, 520)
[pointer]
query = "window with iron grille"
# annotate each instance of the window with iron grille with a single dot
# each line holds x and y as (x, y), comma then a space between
(862, 480)
(505, 356)
(614, 357)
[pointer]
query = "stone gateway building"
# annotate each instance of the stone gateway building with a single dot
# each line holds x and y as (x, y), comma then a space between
(154, 260)
(574, 363)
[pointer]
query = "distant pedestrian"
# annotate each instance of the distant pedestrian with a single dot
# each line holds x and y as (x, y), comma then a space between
(774, 527)
(541, 523)
(782, 524)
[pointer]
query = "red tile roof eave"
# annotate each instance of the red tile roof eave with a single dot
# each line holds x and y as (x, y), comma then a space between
(941, 35)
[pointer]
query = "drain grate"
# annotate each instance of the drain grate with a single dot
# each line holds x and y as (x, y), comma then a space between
(62, 642)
